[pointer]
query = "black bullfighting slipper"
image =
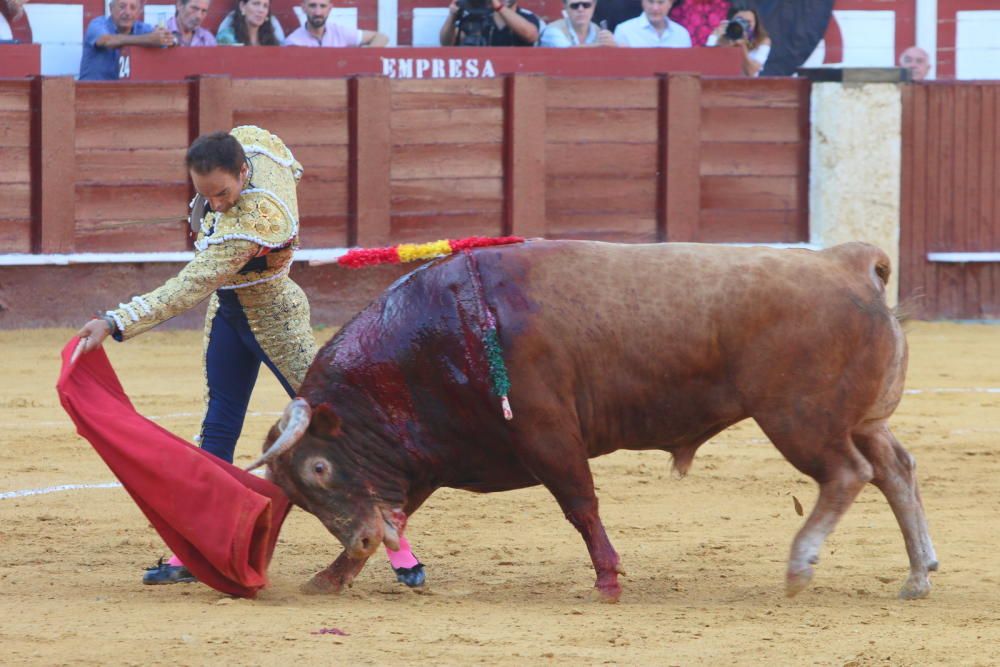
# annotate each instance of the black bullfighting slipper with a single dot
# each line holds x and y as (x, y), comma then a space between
(411, 576)
(161, 573)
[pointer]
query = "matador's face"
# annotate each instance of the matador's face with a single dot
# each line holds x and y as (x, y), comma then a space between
(221, 188)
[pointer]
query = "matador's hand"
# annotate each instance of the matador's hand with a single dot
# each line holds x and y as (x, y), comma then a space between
(91, 335)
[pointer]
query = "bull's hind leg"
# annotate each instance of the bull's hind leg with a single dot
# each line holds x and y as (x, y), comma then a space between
(559, 462)
(841, 472)
(895, 476)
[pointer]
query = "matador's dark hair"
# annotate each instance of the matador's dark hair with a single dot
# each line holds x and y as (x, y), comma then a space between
(218, 150)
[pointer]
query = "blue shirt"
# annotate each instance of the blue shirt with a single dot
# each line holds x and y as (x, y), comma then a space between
(101, 64)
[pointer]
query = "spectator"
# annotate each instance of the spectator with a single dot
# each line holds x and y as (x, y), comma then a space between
(250, 24)
(227, 24)
(653, 28)
(186, 23)
(614, 12)
(106, 34)
(699, 17)
(499, 23)
(917, 61)
(576, 28)
(317, 32)
(744, 29)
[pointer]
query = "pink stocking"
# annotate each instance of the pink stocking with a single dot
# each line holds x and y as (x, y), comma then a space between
(402, 558)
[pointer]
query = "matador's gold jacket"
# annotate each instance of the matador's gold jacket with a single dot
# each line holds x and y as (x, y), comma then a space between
(247, 249)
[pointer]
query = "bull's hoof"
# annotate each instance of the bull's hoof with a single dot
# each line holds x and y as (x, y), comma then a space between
(323, 584)
(796, 582)
(413, 577)
(915, 588)
(608, 594)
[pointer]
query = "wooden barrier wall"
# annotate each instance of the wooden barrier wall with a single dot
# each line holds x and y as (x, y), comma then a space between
(386, 161)
(15, 166)
(951, 198)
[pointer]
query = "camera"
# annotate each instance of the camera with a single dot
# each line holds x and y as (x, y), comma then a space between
(474, 22)
(738, 28)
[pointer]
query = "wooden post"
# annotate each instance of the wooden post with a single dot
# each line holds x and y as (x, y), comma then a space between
(801, 230)
(53, 164)
(678, 192)
(211, 105)
(524, 155)
(369, 100)
(210, 109)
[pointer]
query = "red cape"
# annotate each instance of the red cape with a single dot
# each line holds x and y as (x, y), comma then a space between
(221, 521)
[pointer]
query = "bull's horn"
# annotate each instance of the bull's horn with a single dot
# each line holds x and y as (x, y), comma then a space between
(293, 425)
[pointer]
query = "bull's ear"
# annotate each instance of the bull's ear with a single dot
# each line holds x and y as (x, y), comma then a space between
(325, 422)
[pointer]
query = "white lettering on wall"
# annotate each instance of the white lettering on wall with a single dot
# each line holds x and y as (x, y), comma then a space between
(437, 68)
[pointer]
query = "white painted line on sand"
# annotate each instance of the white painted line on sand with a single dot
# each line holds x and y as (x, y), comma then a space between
(55, 489)
(172, 415)
(954, 390)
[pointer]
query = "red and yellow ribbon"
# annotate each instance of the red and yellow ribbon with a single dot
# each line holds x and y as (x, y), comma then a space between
(412, 252)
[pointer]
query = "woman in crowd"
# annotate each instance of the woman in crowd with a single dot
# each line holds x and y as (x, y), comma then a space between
(252, 25)
(744, 29)
(576, 28)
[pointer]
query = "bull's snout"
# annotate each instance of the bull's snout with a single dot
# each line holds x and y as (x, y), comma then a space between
(364, 544)
(366, 540)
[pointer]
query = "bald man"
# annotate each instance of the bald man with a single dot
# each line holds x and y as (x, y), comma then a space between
(917, 61)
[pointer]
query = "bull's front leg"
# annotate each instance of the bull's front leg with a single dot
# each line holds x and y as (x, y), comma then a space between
(606, 562)
(334, 578)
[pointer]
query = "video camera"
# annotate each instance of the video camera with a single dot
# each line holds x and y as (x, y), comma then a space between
(474, 22)
(738, 28)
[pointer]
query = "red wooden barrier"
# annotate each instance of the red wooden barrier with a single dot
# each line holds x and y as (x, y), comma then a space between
(420, 63)
(951, 198)
(15, 167)
(387, 161)
(20, 60)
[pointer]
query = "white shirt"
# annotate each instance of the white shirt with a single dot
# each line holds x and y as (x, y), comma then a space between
(759, 54)
(560, 34)
(639, 32)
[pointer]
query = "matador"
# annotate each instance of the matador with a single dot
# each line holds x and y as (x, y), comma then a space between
(246, 219)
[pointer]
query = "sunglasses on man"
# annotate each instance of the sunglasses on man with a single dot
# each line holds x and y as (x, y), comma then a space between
(581, 5)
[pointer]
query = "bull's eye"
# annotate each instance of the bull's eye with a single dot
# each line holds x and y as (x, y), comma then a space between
(318, 471)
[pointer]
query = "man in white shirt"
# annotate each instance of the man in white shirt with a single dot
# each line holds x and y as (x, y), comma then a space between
(653, 28)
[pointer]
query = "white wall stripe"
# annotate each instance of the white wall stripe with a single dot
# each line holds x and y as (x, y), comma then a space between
(26, 259)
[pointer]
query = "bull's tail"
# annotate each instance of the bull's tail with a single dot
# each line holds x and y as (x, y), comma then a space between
(866, 258)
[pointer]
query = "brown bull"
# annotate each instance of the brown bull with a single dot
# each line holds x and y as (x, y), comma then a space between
(608, 347)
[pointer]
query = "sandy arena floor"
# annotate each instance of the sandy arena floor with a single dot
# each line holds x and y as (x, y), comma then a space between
(509, 578)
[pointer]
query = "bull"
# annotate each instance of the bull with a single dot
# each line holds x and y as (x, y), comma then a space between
(607, 347)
